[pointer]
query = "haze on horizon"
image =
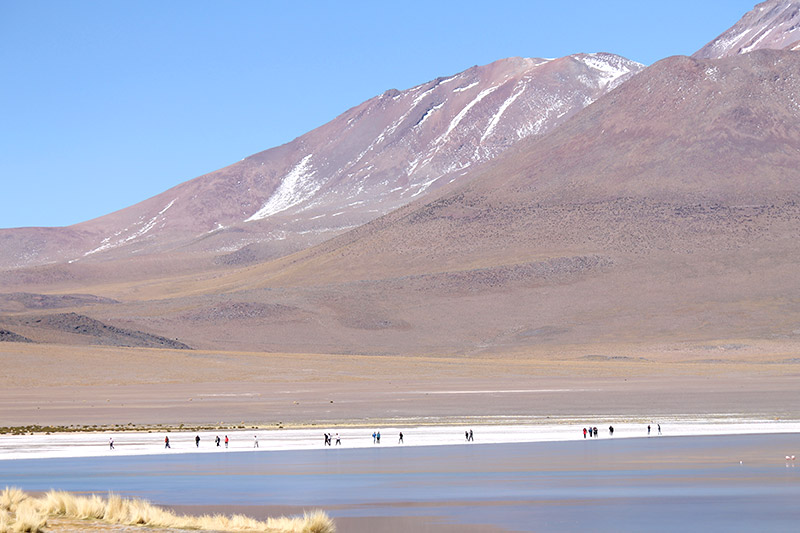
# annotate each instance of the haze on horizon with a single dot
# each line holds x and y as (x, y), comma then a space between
(113, 103)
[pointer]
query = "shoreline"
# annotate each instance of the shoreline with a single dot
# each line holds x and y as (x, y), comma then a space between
(358, 434)
(730, 482)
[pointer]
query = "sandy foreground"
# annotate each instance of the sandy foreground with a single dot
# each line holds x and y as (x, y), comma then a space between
(260, 441)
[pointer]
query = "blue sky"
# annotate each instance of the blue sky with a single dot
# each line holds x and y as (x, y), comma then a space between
(106, 103)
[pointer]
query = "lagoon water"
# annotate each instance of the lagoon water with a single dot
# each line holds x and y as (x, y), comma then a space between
(642, 484)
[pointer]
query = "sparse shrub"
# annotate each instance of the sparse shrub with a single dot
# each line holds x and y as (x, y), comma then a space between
(28, 518)
(10, 498)
(20, 513)
(317, 522)
(91, 507)
(313, 522)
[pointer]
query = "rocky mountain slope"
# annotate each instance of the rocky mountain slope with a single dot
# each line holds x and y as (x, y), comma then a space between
(774, 24)
(668, 210)
(372, 159)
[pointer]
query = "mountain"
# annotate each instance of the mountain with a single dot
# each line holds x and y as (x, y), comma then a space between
(378, 156)
(667, 211)
(774, 24)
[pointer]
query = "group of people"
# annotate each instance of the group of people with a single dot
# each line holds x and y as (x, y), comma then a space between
(592, 431)
(329, 438)
(196, 441)
(376, 437)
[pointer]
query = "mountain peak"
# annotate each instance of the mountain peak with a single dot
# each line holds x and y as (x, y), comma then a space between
(379, 155)
(774, 24)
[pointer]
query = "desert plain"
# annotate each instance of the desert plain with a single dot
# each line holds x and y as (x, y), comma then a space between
(50, 385)
(68, 390)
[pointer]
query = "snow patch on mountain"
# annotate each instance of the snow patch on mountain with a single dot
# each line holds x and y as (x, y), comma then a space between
(773, 24)
(723, 44)
(608, 71)
(422, 187)
(496, 118)
(468, 87)
(143, 228)
(421, 97)
(428, 113)
(458, 118)
(296, 187)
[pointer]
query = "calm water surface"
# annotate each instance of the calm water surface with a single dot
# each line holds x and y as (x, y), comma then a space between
(652, 484)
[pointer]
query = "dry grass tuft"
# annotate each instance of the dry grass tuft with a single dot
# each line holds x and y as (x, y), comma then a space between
(21, 513)
(28, 518)
(10, 498)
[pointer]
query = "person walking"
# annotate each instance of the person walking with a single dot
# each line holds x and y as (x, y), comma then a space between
(379, 437)
(338, 440)
(217, 441)
(166, 441)
(611, 430)
(111, 443)
(471, 436)
(659, 429)
(648, 429)
(255, 441)
(374, 436)
(226, 441)
(197, 441)
(584, 433)
(466, 435)
(595, 431)
(401, 438)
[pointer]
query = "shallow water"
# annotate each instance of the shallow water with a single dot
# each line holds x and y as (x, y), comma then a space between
(654, 484)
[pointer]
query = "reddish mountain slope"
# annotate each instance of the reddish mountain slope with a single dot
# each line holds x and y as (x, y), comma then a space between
(669, 210)
(666, 211)
(373, 158)
(686, 138)
(774, 25)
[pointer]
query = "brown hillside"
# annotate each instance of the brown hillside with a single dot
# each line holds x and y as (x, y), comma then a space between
(665, 212)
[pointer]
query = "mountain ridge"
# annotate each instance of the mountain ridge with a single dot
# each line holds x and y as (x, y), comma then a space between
(626, 223)
(359, 165)
(666, 211)
(774, 24)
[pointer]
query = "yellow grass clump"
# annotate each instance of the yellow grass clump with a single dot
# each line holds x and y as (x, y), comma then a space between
(19, 513)
(22, 513)
(10, 498)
